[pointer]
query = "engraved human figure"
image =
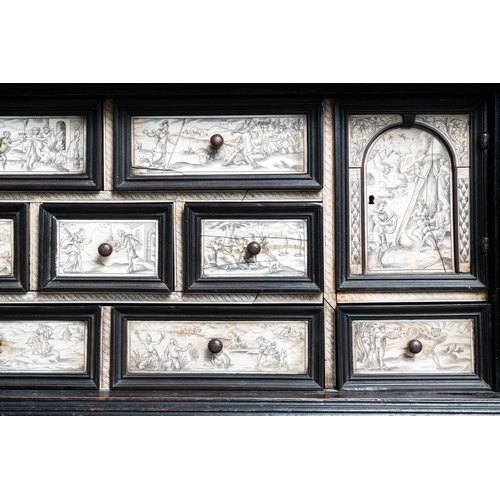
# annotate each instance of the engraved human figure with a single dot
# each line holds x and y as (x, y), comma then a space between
(258, 151)
(151, 358)
(263, 346)
(72, 245)
(418, 216)
(214, 247)
(436, 228)
(44, 334)
(380, 224)
(172, 354)
(6, 144)
(380, 335)
(157, 155)
(129, 242)
(287, 140)
(221, 359)
(431, 340)
(236, 342)
(31, 148)
(238, 156)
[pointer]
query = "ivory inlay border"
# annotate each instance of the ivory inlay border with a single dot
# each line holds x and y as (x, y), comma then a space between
(105, 375)
(410, 297)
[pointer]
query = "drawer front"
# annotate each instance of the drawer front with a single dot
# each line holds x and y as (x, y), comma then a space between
(121, 247)
(117, 248)
(46, 346)
(251, 145)
(43, 346)
(413, 346)
(217, 346)
(253, 247)
(425, 346)
(213, 144)
(234, 347)
(6, 247)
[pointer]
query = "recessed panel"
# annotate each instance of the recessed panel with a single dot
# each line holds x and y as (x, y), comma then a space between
(43, 346)
(253, 248)
(133, 245)
(251, 145)
(408, 204)
(6, 247)
(43, 145)
(439, 346)
(246, 346)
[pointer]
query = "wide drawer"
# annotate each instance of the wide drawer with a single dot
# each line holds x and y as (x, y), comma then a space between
(215, 346)
(218, 144)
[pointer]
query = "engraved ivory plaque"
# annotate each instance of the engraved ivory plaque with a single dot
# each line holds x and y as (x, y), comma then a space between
(42, 145)
(409, 198)
(248, 346)
(134, 248)
(253, 145)
(409, 224)
(45, 346)
(6, 247)
(382, 346)
(283, 248)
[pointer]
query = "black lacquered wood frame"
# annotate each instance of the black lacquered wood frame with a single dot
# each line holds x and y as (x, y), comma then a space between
(125, 109)
(479, 215)
(194, 213)
(481, 380)
(313, 379)
(50, 213)
(92, 110)
(90, 314)
(19, 281)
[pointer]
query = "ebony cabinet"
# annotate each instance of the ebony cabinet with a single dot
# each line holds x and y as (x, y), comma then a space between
(258, 249)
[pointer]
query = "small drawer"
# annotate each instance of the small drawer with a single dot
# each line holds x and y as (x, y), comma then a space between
(245, 247)
(14, 247)
(50, 347)
(427, 346)
(118, 247)
(215, 346)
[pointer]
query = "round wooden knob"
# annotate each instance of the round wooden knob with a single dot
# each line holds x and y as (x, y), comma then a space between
(253, 248)
(415, 346)
(217, 141)
(215, 346)
(105, 249)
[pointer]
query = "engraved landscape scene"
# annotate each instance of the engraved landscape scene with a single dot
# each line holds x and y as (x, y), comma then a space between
(6, 247)
(248, 346)
(43, 346)
(252, 145)
(382, 346)
(42, 145)
(134, 248)
(282, 243)
(409, 204)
